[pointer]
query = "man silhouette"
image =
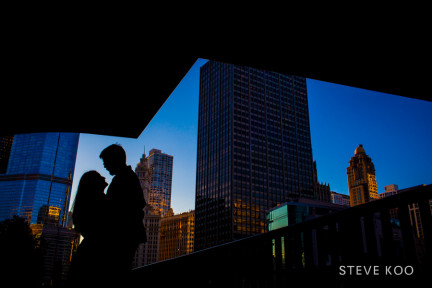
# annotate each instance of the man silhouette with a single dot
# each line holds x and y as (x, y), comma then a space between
(125, 202)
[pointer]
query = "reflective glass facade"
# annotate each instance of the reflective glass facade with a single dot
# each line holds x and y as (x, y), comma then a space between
(254, 149)
(39, 173)
(5, 147)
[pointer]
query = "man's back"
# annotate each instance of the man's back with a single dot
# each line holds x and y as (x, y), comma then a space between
(126, 202)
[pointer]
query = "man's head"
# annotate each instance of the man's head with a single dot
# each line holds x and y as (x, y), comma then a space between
(114, 158)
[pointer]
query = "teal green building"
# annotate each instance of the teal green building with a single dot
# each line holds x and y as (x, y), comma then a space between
(297, 211)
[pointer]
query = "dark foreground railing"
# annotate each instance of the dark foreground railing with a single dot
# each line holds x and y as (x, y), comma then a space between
(385, 242)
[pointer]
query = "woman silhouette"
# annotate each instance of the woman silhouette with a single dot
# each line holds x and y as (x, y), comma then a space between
(89, 218)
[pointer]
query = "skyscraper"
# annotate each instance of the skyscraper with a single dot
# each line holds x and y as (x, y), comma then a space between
(254, 149)
(143, 172)
(39, 176)
(362, 183)
(5, 149)
(147, 253)
(161, 169)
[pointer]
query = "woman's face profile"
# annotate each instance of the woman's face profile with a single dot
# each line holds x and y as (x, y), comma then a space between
(101, 182)
(95, 180)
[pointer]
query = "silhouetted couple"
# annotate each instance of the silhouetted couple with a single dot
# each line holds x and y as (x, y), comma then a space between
(111, 223)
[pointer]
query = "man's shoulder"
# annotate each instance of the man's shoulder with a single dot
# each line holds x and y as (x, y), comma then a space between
(125, 173)
(126, 177)
(131, 174)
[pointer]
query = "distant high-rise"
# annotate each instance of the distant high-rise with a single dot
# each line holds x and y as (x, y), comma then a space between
(362, 183)
(60, 244)
(340, 199)
(161, 169)
(39, 176)
(254, 149)
(143, 172)
(148, 252)
(389, 190)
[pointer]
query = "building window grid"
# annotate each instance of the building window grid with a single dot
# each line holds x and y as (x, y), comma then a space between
(242, 118)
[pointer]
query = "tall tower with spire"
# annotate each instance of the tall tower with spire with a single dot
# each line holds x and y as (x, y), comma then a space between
(361, 178)
(147, 253)
(143, 172)
(155, 175)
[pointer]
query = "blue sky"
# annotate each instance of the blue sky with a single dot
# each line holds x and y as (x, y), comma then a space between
(395, 132)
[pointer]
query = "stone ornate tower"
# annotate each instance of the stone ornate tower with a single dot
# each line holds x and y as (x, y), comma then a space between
(361, 178)
(143, 172)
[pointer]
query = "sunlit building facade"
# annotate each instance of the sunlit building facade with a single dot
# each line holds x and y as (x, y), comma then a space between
(39, 176)
(177, 235)
(161, 169)
(362, 182)
(254, 149)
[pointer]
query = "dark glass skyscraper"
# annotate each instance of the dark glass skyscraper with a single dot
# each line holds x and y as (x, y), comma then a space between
(254, 149)
(39, 176)
(5, 148)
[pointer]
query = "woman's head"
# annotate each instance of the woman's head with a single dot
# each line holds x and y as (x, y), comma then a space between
(90, 191)
(90, 187)
(92, 179)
